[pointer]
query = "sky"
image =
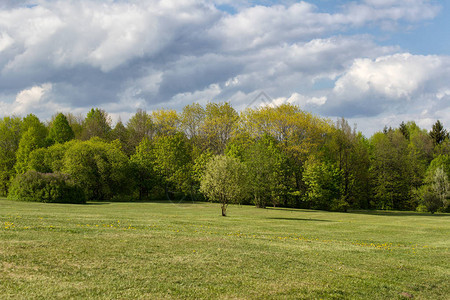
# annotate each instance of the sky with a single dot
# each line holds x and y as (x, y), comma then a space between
(374, 62)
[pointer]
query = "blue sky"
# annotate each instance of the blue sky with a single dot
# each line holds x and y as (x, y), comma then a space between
(374, 62)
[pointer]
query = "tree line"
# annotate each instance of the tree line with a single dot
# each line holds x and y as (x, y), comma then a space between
(278, 156)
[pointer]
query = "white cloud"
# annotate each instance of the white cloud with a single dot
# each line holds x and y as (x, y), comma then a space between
(5, 41)
(399, 76)
(389, 89)
(30, 99)
(128, 54)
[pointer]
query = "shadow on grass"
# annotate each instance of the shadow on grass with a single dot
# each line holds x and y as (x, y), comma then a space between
(96, 203)
(300, 219)
(294, 209)
(396, 213)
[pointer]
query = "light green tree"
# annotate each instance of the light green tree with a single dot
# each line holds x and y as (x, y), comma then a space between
(221, 120)
(33, 139)
(224, 181)
(192, 119)
(140, 126)
(435, 193)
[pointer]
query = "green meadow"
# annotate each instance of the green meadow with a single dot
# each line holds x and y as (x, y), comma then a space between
(161, 250)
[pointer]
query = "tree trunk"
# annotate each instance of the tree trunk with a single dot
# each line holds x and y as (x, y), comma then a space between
(224, 210)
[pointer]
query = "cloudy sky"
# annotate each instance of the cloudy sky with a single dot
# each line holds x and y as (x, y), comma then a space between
(374, 62)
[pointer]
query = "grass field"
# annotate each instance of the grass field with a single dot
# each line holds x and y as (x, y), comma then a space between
(163, 250)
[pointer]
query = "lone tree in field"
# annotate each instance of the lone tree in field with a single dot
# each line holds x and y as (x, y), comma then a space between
(224, 181)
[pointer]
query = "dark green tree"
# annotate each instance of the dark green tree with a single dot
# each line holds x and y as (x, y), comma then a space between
(265, 162)
(404, 130)
(60, 130)
(390, 171)
(96, 124)
(121, 134)
(100, 168)
(142, 163)
(173, 163)
(324, 182)
(438, 133)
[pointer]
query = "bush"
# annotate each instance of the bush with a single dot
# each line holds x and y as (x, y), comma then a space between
(432, 201)
(45, 187)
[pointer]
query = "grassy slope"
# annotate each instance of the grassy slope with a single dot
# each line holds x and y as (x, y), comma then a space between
(160, 250)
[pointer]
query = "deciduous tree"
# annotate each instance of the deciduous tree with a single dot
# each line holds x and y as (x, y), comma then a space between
(96, 124)
(224, 181)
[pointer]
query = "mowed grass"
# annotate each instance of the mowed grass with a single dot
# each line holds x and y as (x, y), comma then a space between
(164, 250)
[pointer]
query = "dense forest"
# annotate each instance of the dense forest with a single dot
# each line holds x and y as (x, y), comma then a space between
(278, 156)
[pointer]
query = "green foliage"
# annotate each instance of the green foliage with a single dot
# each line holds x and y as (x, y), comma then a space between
(76, 123)
(390, 171)
(324, 183)
(121, 134)
(166, 122)
(10, 132)
(350, 152)
(140, 126)
(224, 181)
(100, 168)
(33, 139)
(60, 130)
(192, 119)
(33, 121)
(292, 158)
(440, 161)
(38, 161)
(173, 163)
(434, 195)
(199, 167)
(265, 170)
(431, 201)
(45, 187)
(438, 133)
(440, 189)
(142, 164)
(219, 124)
(96, 124)
(49, 160)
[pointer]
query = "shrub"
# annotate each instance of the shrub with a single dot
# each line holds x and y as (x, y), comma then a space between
(432, 201)
(45, 187)
(100, 168)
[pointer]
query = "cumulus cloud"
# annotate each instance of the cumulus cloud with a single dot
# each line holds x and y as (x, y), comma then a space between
(33, 99)
(392, 88)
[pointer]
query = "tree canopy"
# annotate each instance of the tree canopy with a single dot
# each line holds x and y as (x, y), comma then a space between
(281, 156)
